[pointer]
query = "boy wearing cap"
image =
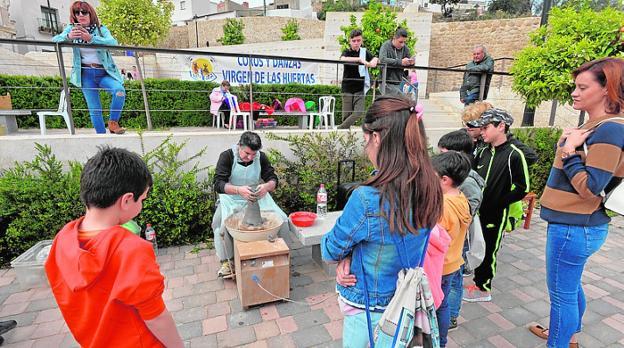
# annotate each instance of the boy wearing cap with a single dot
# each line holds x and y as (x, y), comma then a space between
(504, 168)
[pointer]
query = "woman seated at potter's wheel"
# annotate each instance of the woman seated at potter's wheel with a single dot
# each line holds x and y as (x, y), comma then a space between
(239, 169)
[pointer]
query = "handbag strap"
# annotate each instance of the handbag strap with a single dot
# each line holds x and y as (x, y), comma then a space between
(366, 298)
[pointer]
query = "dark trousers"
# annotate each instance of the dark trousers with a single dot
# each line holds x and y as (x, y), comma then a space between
(226, 113)
(493, 226)
(352, 108)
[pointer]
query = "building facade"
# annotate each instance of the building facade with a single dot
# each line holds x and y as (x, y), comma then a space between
(40, 19)
(186, 10)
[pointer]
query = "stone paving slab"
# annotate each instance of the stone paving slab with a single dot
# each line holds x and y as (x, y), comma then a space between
(209, 314)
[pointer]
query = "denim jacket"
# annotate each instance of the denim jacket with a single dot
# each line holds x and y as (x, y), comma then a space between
(100, 37)
(361, 229)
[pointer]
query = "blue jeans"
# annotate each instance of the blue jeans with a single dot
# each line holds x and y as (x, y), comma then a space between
(443, 312)
(568, 248)
(355, 329)
(471, 98)
(456, 293)
(94, 79)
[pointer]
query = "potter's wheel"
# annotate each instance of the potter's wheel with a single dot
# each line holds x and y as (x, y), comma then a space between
(270, 225)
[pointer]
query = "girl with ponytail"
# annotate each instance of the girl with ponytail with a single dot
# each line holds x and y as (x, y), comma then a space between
(401, 203)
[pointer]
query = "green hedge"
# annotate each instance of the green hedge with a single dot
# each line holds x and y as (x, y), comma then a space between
(543, 141)
(165, 96)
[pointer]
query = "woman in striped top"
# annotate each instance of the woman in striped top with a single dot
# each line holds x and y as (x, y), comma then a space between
(572, 200)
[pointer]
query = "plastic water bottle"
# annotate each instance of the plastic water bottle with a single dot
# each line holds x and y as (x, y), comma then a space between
(150, 236)
(321, 202)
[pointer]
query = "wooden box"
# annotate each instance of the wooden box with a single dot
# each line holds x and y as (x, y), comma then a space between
(269, 263)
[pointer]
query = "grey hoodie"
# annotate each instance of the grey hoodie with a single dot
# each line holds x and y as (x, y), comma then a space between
(472, 188)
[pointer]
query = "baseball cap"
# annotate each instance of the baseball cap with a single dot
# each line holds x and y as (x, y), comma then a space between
(493, 115)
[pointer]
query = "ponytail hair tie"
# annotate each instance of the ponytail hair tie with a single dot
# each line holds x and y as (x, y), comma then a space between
(418, 110)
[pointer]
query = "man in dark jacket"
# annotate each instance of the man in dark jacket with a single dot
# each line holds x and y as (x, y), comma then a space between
(397, 56)
(481, 63)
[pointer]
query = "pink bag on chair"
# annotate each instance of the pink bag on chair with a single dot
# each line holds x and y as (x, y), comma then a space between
(439, 242)
(294, 105)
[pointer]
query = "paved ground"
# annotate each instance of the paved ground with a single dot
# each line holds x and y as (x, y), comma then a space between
(209, 314)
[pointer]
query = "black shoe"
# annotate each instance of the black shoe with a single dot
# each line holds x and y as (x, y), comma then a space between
(1, 340)
(453, 324)
(7, 325)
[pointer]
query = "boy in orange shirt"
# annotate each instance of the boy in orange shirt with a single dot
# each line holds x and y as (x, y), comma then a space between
(105, 279)
(453, 168)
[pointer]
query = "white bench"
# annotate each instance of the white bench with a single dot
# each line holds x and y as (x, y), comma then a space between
(311, 236)
(8, 119)
(302, 117)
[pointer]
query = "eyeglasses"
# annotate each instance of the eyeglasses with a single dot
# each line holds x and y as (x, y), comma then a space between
(81, 12)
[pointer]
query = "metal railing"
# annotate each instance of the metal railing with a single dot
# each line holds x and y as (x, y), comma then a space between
(381, 82)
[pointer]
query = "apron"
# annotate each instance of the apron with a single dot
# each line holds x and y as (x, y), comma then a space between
(243, 176)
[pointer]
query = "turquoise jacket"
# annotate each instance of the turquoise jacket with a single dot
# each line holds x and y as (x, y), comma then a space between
(99, 37)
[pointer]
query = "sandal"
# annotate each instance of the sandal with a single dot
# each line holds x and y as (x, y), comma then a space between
(539, 331)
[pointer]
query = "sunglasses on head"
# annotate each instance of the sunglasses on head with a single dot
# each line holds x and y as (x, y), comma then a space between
(81, 12)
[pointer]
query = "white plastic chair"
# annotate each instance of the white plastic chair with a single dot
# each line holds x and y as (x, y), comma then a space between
(218, 119)
(235, 112)
(327, 104)
(62, 111)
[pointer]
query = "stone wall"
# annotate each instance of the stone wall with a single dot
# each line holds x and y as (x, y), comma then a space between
(178, 37)
(257, 29)
(452, 44)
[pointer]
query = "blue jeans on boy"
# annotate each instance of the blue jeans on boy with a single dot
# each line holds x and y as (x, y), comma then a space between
(355, 329)
(443, 312)
(94, 79)
(456, 294)
(568, 248)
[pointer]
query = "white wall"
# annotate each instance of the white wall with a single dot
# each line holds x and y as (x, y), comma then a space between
(81, 147)
(193, 8)
(287, 12)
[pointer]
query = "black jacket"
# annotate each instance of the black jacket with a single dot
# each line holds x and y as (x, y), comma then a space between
(505, 171)
(529, 154)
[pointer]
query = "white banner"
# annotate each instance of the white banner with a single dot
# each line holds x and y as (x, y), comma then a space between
(263, 70)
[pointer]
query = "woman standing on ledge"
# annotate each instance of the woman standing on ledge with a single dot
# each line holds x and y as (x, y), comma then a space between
(572, 202)
(93, 68)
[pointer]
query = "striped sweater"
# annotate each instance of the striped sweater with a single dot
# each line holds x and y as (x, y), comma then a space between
(572, 193)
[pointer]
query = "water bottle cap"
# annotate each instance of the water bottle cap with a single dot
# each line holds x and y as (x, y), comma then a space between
(148, 225)
(322, 185)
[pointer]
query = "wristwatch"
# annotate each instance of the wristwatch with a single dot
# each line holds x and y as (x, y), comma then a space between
(565, 154)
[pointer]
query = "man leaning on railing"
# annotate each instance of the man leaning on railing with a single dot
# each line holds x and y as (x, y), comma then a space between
(481, 63)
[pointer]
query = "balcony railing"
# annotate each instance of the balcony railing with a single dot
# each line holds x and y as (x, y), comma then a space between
(47, 26)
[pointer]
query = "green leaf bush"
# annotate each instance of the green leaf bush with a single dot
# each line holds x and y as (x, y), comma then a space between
(232, 32)
(38, 198)
(543, 141)
(573, 36)
(168, 98)
(291, 31)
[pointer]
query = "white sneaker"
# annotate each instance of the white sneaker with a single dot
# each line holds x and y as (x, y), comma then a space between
(472, 293)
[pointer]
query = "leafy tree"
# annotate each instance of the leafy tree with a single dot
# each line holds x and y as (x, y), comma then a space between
(137, 22)
(572, 37)
(447, 6)
(233, 32)
(378, 25)
(337, 6)
(291, 31)
(510, 6)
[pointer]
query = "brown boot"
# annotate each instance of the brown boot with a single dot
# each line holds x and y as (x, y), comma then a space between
(113, 127)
